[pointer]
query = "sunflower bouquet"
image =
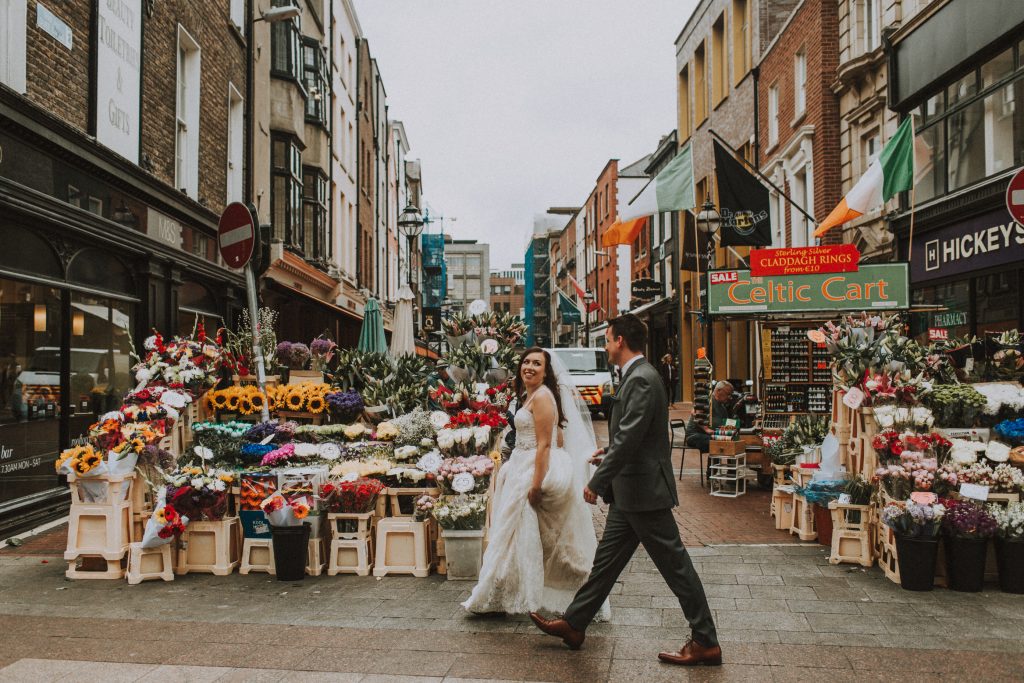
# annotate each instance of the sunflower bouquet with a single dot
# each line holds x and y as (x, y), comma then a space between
(308, 397)
(244, 400)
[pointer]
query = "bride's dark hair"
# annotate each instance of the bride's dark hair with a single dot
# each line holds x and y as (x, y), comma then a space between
(549, 381)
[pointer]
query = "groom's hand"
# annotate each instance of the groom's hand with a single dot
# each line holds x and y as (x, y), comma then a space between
(589, 496)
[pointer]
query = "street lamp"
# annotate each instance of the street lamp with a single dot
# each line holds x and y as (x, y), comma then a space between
(712, 221)
(411, 225)
(279, 14)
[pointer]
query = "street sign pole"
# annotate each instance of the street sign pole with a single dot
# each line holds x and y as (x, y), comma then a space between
(238, 238)
(257, 348)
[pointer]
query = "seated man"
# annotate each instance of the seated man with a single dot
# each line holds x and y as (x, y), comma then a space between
(699, 436)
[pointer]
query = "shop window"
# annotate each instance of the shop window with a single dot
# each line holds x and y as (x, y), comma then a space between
(27, 252)
(955, 297)
(100, 358)
(197, 305)
(931, 178)
(1000, 294)
(997, 69)
(286, 189)
(30, 386)
(100, 270)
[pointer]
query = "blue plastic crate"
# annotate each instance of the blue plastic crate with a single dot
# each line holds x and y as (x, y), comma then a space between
(254, 524)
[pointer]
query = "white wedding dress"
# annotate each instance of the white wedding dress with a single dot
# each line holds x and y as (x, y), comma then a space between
(536, 558)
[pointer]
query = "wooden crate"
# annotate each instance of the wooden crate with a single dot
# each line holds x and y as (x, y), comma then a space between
(395, 496)
(148, 564)
(300, 417)
(257, 556)
(211, 547)
(402, 547)
(803, 519)
(98, 530)
(851, 534)
(782, 504)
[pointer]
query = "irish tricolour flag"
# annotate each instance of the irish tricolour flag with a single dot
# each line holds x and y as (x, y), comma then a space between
(671, 190)
(892, 172)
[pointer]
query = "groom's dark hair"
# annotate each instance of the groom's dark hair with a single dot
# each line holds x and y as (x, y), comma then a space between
(631, 329)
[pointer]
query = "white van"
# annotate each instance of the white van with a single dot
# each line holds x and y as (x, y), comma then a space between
(591, 374)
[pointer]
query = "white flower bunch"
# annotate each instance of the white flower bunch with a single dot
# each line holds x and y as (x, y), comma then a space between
(406, 452)
(430, 462)
(999, 396)
(997, 451)
(1009, 520)
(307, 450)
(463, 482)
(482, 436)
(891, 416)
(446, 440)
(461, 512)
(965, 452)
(439, 419)
(407, 474)
(1007, 478)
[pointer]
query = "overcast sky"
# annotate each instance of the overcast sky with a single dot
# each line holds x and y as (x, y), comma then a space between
(516, 105)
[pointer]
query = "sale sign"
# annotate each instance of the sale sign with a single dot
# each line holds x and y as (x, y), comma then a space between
(831, 258)
(883, 286)
(938, 334)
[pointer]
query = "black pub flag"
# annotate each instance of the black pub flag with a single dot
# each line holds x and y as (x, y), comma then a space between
(742, 203)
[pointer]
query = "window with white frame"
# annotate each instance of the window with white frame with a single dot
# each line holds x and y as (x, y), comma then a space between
(236, 142)
(799, 83)
(868, 23)
(802, 189)
(14, 18)
(186, 155)
(773, 115)
(238, 14)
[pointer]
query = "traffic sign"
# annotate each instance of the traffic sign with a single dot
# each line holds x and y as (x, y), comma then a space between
(236, 234)
(1015, 196)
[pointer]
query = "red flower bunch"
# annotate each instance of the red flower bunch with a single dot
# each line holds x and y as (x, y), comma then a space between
(354, 497)
(173, 525)
(489, 417)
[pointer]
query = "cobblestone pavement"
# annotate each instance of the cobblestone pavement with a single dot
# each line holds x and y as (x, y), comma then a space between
(783, 613)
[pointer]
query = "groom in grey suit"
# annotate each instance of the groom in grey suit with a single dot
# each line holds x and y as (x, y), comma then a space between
(635, 477)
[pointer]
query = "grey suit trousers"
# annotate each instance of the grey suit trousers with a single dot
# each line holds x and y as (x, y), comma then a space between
(658, 533)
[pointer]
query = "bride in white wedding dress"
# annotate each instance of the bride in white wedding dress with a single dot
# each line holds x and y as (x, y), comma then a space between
(542, 540)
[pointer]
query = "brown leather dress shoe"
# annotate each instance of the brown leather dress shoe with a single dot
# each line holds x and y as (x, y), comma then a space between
(559, 628)
(693, 654)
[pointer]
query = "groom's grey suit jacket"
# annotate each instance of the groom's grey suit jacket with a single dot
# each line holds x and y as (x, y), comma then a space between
(636, 473)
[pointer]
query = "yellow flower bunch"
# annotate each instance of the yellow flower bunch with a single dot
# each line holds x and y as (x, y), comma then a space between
(386, 431)
(83, 459)
(305, 397)
(246, 399)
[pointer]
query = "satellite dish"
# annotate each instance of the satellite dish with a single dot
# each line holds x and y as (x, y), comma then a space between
(478, 307)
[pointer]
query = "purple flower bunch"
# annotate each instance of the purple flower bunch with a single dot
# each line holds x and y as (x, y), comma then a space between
(259, 431)
(964, 519)
(286, 431)
(346, 405)
(322, 350)
(293, 355)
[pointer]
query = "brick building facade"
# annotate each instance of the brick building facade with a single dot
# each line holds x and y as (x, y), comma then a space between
(799, 121)
(108, 206)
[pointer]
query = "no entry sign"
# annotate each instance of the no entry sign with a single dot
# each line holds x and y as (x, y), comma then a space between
(236, 234)
(1015, 196)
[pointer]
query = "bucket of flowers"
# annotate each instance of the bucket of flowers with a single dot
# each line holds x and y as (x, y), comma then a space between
(290, 531)
(461, 519)
(968, 527)
(916, 526)
(199, 492)
(1009, 545)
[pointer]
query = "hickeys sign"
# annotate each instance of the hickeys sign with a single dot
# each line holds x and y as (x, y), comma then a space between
(880, 286)
(833, 258)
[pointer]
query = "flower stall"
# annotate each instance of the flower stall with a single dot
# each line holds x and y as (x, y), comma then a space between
(352, 474)
(932, 442)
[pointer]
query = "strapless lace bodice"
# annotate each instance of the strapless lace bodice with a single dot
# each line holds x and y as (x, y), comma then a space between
(526, 430)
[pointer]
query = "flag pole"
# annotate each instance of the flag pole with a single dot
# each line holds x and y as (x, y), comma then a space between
(762, 176)
(910, 243)
(696, 254)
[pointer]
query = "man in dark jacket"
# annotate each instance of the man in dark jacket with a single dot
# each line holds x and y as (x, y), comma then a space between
(635, 477)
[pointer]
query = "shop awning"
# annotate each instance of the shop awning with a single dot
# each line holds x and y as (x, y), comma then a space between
(292, 291)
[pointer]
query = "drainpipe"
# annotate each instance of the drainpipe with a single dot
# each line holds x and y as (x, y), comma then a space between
(756, 72)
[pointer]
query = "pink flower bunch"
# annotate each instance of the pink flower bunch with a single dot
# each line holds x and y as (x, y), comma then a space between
(278, 457)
